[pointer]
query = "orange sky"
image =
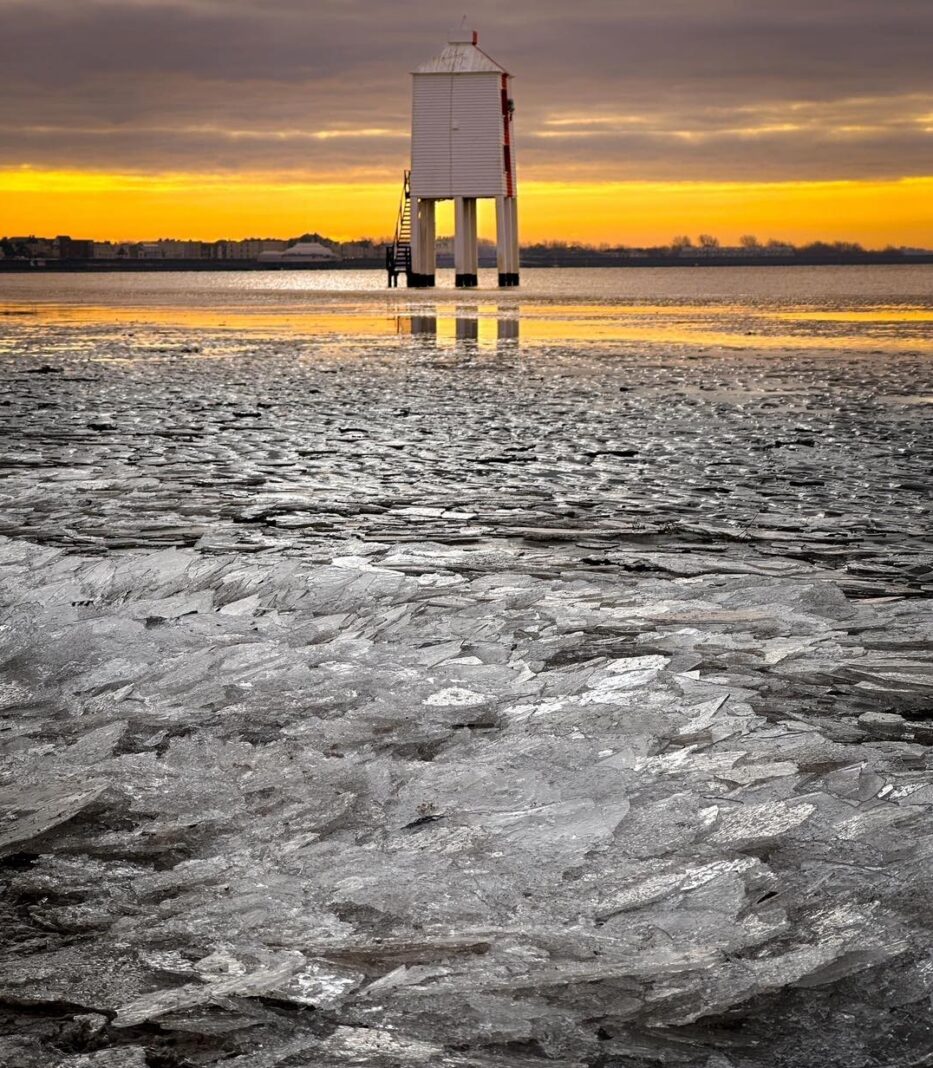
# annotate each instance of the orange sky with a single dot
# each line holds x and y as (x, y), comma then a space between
(135, 207)
(634, 121)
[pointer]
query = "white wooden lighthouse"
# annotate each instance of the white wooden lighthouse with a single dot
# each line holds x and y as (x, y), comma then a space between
(462, 149)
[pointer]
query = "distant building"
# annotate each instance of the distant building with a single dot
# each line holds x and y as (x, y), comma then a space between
(112, 250)
(34, 248)
(169, 249)
(250, 248)
(361, 250)
(70, 249)
(302, 252)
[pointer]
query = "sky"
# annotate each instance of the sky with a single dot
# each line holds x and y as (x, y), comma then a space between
(635, 119)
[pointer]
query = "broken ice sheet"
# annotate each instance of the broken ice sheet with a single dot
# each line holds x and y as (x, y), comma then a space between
(503, 764)
(45, 815)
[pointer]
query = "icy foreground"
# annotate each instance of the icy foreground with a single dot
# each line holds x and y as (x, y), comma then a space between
(411, 752)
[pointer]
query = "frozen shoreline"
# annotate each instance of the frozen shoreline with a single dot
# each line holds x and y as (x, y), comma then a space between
(424, 818)
(380, 702)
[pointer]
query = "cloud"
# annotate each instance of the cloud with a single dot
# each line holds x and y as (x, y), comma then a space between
(653, 89)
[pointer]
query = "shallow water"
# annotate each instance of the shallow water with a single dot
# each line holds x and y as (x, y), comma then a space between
(466, 680)
(862, 308)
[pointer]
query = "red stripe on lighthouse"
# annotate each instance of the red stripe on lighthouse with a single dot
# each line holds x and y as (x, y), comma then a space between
(507, 138)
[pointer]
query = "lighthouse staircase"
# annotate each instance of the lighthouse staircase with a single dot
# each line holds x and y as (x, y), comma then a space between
(398, 254)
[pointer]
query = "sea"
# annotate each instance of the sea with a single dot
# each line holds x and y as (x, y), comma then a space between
(856, 308)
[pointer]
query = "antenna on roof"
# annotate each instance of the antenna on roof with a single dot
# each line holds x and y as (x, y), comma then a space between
(463, 34)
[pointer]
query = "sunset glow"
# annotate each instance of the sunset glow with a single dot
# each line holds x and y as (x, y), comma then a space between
(124, 206)
(209, 119)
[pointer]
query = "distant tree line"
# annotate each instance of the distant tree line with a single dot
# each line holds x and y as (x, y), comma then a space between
(747, 242)
(708, 248)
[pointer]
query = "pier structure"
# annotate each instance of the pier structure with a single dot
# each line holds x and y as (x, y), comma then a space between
(462, 149)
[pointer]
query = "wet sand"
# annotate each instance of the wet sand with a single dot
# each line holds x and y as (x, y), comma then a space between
(467, 682)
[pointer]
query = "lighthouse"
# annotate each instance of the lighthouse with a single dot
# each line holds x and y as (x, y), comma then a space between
(462, 149)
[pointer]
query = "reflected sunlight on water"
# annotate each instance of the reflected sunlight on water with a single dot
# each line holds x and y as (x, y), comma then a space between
(884, 309)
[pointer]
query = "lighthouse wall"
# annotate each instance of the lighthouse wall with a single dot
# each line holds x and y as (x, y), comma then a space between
(457, 144)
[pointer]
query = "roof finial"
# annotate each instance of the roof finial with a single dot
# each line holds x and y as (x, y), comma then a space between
(463, 34)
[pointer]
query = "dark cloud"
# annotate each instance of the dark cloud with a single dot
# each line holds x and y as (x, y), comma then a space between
(678, 88)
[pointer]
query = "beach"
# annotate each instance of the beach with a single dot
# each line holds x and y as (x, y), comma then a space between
(467, 679)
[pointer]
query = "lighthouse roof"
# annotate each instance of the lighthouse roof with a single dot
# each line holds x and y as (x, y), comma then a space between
(461, 56)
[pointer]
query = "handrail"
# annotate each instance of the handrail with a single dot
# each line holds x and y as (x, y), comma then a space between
(403, 205)
(398, 254)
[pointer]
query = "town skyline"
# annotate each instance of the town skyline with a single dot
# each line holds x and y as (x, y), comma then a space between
(315, 249)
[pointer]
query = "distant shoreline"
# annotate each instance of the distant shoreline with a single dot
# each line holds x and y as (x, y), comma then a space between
(581, 260)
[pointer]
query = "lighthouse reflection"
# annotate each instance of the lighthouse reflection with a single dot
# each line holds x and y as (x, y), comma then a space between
(469, 326)
(507, 328)
(466, 324)
(424, 326)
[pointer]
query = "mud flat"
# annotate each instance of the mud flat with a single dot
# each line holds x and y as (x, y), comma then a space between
(398, 701)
